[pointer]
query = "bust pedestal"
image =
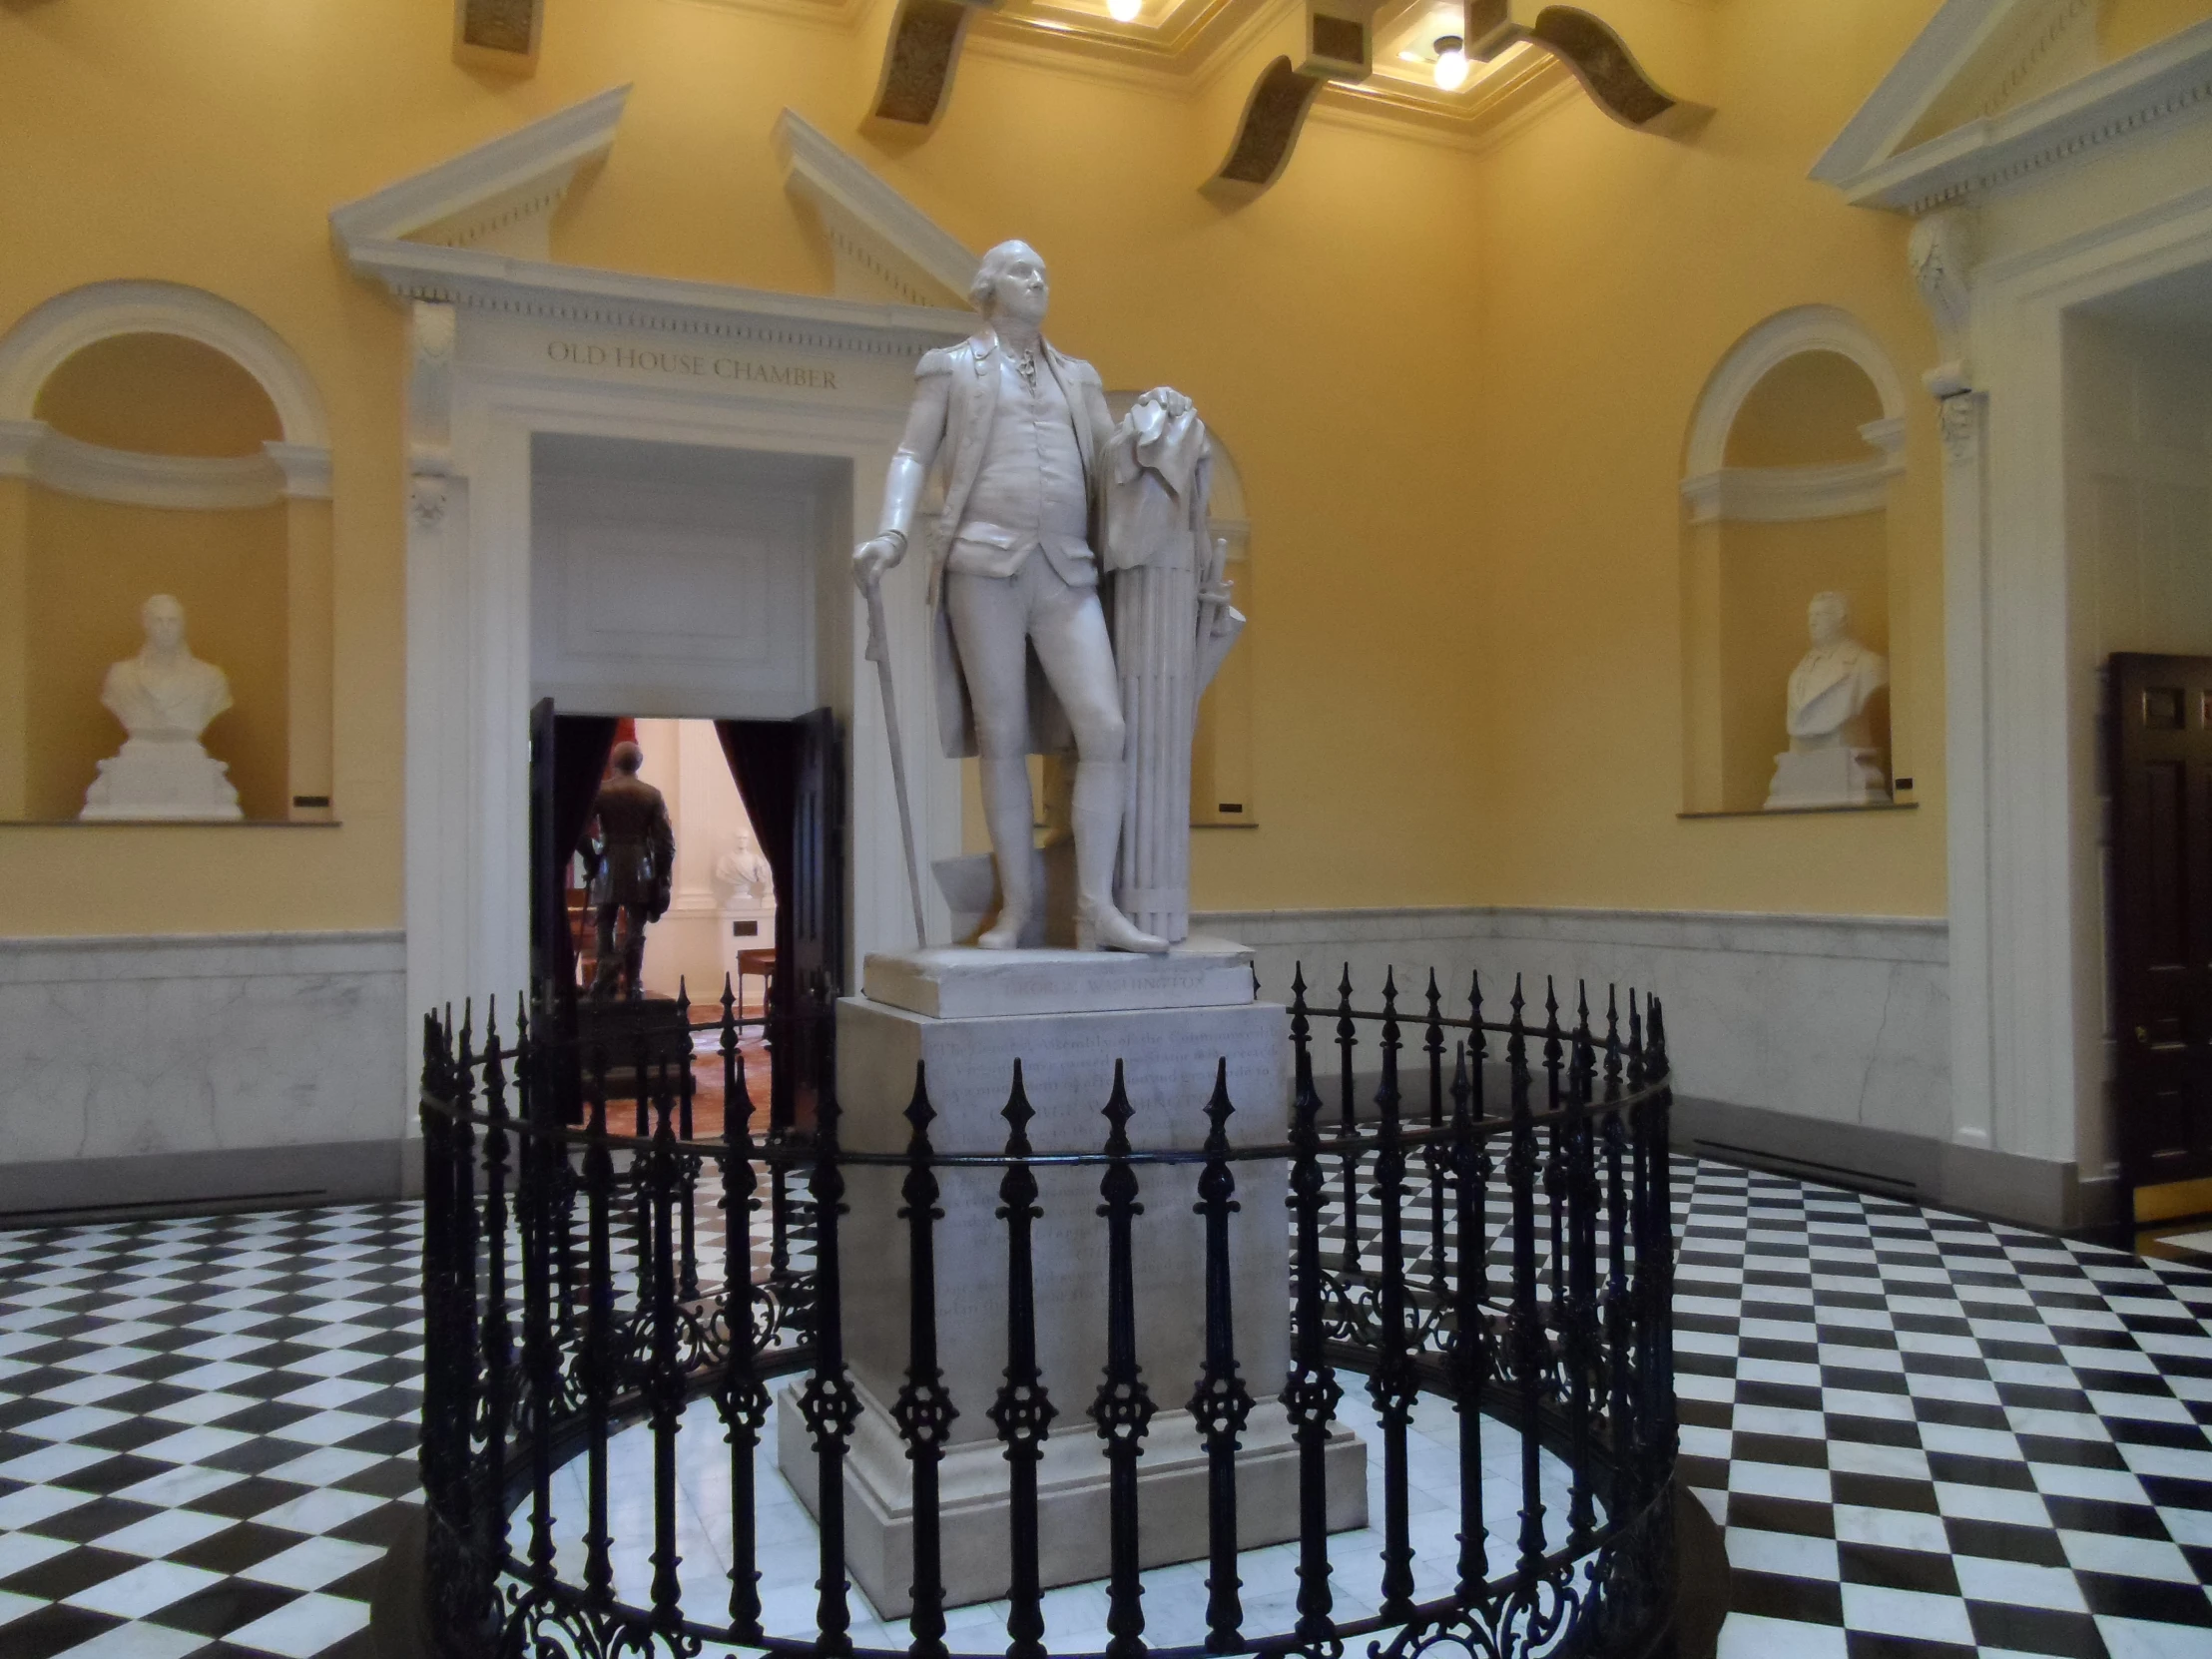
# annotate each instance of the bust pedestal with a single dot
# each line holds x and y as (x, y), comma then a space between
(1833, 775)
(162, 777)
(1068, 1016)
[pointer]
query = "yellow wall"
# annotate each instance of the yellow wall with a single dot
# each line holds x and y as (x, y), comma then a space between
(1457, 382)
(2125, 25)
(1616, 271)
(93, 563)
(160, 394)
(1804, 411)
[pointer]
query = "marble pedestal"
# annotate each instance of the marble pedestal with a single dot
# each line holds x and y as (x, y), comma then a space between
(162, 777)
(1834, 776)
(1068, 1016)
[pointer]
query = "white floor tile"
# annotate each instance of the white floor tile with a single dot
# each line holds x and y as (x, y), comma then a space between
(143, 1589)
(302, 1628)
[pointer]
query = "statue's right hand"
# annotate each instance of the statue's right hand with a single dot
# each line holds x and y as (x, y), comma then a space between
(875, 556)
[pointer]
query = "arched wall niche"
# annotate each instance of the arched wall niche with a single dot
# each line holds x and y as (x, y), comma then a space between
(1789, 465)
(155, 438)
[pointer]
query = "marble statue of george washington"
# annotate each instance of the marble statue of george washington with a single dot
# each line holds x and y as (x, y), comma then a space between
(1019, 429)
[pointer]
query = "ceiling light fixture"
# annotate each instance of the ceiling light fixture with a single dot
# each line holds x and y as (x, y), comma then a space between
(1124, 11)
(1451, 63)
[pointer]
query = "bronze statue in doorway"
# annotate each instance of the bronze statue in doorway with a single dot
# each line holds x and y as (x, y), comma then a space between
(630, 880)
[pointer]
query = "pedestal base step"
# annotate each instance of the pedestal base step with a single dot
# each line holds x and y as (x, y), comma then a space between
(1072, 1531)
(962, 982)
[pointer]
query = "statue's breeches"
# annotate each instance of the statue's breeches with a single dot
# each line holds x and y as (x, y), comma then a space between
(995, 621)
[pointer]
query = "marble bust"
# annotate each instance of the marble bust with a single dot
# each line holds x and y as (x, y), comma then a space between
(163, 697)
(1831, 760)
(1025, 654)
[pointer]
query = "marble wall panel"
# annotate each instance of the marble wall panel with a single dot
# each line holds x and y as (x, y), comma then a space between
(1845, 1019)
(136, 1047)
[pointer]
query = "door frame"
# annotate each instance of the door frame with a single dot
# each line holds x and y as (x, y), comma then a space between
(491, 366)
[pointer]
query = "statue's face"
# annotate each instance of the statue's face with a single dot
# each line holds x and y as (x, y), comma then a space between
(1021, 290)
(164, 620)
(1825, 619)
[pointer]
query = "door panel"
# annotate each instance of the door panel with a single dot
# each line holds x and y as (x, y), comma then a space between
(816, 900)
(2161, 960)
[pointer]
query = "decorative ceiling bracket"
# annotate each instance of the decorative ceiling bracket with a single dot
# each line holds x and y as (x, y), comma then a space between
(919, 57)
(1593, 51)
(1339, 46)
(499, 35)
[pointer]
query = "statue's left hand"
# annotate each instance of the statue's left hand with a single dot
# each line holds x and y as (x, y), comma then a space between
(1176, 405)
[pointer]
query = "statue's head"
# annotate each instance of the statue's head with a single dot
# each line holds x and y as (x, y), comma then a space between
(626, 759)
(1011, 282)
(1827, 617)
(163, 618)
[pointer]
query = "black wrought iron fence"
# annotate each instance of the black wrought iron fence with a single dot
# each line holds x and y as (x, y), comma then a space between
(1494, 1238)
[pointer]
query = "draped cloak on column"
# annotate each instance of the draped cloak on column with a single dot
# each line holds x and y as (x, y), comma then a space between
(1172, 626)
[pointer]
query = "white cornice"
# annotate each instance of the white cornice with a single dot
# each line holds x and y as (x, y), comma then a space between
(906, 243)
(511, 181)
(306, 469)
(1943, 53)
(497, 283)
(2169, 81)
(19, 439)
(1788, 494)
(191, 484)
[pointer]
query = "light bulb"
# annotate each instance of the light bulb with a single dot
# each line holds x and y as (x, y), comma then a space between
(1451, 63)
(1124, 11)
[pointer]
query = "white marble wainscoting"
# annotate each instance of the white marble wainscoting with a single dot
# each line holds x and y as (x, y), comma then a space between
(1822, 1043)
(201, 1068)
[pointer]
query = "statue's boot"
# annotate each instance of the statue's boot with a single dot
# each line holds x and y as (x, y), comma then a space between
(633, 955)
(1011, 817)
(1099, 924)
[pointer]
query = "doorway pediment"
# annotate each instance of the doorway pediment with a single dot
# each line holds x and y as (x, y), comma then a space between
(499, 195)
(1994, 91)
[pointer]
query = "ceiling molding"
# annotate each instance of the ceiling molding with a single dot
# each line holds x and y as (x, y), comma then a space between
(499, 193)
(191, 484)
(1874, 165)
(1496, 109)
(1185, 55)
(885, 245)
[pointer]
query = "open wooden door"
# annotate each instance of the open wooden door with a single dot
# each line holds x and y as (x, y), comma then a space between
(548, 903)
(817, 902)
(2162, 933)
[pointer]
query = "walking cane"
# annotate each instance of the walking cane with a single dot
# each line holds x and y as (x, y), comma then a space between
(880, 653)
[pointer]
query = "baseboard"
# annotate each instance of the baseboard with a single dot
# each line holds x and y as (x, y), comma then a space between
(2001, 1186)
(56, 1191)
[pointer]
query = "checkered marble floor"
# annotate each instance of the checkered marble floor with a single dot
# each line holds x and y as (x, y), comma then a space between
(207, 1431)
(1925, 1435)
(1929, 1435)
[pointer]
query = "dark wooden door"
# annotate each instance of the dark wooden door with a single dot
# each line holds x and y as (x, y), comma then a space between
(2161, 938)
(548, 900)
(816, 900)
